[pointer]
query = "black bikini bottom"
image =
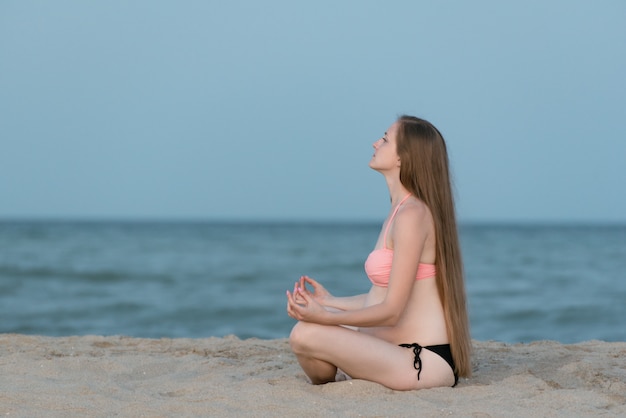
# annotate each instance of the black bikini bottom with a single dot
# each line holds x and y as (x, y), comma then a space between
(442, 350)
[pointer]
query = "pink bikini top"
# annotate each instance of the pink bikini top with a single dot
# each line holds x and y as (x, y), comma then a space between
(378, 263)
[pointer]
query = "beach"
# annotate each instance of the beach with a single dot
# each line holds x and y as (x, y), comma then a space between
(231, 377)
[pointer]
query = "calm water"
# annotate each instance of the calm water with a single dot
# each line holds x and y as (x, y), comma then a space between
(524, 283)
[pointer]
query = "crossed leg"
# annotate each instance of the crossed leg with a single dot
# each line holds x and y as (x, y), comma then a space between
(321, 349)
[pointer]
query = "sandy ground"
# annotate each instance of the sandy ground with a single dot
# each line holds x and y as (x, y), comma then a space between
(95, 376)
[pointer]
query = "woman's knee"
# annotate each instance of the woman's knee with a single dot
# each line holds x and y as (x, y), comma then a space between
(302, 335)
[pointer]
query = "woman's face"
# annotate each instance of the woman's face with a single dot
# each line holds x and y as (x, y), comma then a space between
(385, 156)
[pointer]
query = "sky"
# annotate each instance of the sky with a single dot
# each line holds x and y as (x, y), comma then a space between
(248, 110)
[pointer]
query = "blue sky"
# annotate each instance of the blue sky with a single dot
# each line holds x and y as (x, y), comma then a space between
(267, 110)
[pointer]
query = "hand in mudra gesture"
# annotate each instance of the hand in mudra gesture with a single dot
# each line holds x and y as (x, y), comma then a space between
(303, 307)
(319, 293)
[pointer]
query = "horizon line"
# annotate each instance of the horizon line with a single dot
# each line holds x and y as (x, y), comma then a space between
(277, 220)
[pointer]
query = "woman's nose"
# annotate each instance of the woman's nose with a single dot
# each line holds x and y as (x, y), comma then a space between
(376, 144)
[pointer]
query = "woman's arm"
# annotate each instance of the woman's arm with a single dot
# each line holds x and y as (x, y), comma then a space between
(323, 296)
(348, 303)
(303, 307)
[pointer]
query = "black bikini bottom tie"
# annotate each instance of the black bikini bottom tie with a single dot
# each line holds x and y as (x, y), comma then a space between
(417, 361)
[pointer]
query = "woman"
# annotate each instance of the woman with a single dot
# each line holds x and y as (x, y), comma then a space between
(411, 330)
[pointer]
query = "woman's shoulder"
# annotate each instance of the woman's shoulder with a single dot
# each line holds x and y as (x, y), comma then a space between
(413, 211)
(413, 216)
(413, 226)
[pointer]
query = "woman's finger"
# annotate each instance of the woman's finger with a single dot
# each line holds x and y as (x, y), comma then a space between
(290, 306)
(293, 299)
(305, 297)
(314, 284)
(299, 298)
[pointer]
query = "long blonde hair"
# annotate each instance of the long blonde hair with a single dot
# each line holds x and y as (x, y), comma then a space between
(424, 172)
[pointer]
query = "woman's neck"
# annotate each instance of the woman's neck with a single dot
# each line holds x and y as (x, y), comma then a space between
(397, 191)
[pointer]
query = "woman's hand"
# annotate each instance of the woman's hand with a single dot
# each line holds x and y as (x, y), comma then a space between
(302, 307)
(319, 294)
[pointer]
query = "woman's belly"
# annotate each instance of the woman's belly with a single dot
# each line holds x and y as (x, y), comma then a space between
(422, 320)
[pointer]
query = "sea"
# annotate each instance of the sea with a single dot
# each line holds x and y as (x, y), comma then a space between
(186, 279)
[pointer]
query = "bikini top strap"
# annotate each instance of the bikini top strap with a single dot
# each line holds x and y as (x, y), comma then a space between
(391, 219)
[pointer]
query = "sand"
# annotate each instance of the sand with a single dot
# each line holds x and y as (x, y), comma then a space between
(227, 377)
